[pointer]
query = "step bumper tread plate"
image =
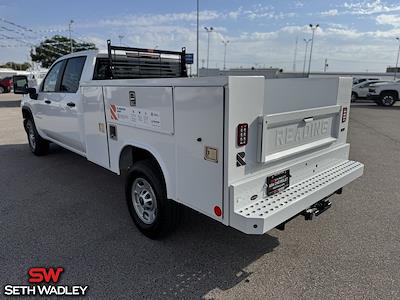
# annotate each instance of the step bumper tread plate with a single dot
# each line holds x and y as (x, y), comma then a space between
(269, 212)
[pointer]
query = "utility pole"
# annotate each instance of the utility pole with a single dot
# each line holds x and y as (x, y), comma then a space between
(209, 30)
(313, 28)
(326, 64)
(70, 35)
(305, 55)
(197, 38)
(120, 39)
(295, 54)
(225, 45)
(397, 60)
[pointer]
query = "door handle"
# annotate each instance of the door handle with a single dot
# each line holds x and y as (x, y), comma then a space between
(71, 104)
(47, 101)
(308, 120)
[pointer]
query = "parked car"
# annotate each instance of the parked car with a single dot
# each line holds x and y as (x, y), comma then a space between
(249, 152)
(6, 85)
(360, 90)
(384, 94)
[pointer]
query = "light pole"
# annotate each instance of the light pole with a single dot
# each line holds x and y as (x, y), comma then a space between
(305, 55)
(397, 60)
(70, 35)
(225, 45)
(120, 39)
(209, 30)
(295, 54)
(313, 28)
(197, 37)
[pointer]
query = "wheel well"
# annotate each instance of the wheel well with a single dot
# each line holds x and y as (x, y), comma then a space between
(26, 113)
(391, 92)
(131, 154)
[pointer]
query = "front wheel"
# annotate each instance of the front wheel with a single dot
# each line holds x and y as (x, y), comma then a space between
(387, 99)
(151, 211)
(37, 144)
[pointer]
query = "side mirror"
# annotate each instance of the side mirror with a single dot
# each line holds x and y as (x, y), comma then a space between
(20, 83)
(32, 93)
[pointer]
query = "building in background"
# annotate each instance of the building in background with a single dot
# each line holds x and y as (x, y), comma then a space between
(279, 73)
(393, 70)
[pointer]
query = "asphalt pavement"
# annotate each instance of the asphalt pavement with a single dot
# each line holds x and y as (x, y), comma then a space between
(61, 210)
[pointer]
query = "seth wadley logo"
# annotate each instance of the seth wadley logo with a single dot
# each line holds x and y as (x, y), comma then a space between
(42, 277)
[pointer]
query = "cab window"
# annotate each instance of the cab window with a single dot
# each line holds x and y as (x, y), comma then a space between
(51, 80)
(72, 75)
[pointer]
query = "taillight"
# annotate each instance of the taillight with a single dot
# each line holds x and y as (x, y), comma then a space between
(242, 134)
(344, 114)
(217, 211)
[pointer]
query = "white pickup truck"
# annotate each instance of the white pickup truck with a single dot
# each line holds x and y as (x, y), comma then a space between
(248, 152)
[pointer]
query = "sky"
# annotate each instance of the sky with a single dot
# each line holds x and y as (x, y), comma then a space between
(353, 35)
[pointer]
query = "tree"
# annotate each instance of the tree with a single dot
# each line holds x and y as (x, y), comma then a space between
(52, 48)
(16, 66)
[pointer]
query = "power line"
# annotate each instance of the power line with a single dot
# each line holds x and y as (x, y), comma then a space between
(14, 46)
(33, 45)
(16, 25)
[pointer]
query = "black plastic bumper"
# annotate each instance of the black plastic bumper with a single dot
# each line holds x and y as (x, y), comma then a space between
(373, 97)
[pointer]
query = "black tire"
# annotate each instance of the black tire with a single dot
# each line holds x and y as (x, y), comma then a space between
(167, 212)
(37, 144)
(354, 96)
(2, 90)
(387, 99)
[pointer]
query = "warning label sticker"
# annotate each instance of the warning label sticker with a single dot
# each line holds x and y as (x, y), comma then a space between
(135, 116)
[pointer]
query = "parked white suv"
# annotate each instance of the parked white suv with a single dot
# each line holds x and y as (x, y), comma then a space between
(385, 94)
(360, 90)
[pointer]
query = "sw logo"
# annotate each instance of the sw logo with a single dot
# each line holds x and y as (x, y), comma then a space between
(39, 278)
(37, 275)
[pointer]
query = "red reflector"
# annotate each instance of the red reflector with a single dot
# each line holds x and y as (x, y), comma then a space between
(217, 211)
(242, 134)
(344, 114)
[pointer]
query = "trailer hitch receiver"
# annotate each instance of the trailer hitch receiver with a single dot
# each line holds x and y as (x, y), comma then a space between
(316, 209)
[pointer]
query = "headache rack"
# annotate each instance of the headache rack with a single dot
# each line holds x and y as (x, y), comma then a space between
(130, 63)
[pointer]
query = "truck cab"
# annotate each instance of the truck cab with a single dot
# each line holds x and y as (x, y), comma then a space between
(57, 104)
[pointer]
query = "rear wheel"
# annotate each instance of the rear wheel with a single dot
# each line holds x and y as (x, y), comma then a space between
(2, 90)
(37, 144)
(387, 99)
(154, 214)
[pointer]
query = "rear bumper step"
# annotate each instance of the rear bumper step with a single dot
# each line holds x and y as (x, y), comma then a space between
(267, 213)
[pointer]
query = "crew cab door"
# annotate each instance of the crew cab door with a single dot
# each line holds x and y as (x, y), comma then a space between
(59, 107)
(45, 107)
(70, 109)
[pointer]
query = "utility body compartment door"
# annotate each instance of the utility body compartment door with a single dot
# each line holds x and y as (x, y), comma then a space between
(199, 130)
(95, 127)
